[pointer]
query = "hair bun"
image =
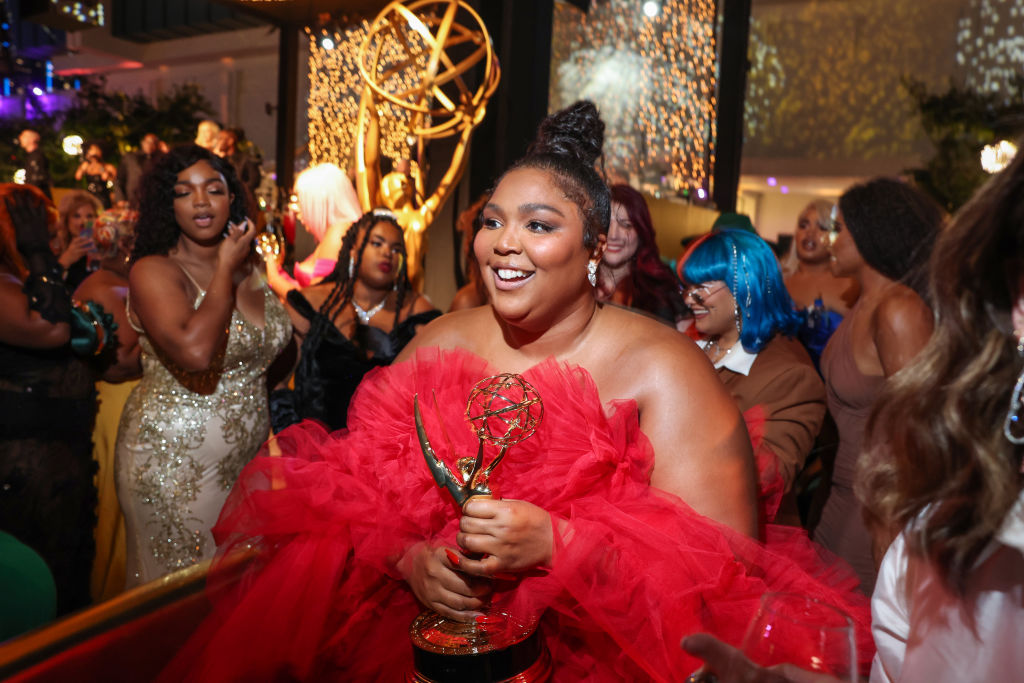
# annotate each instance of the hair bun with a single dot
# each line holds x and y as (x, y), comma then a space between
(576, 131)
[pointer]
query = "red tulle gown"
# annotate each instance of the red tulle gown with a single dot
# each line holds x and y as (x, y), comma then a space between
(639, 571)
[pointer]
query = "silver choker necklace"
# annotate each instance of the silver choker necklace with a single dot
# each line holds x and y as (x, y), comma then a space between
(364, 316)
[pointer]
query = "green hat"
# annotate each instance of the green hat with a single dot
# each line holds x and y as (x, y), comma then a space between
(740, 221)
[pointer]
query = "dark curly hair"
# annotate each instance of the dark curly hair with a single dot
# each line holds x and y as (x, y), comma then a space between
(341, 294)
(894, 226)
(568, 145)
(156, 231)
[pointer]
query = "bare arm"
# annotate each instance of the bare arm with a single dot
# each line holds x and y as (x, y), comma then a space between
(330, 245)
(902, 326)
(128, 365)
(80, 171)
(702, 451)
(190, 337)
(279, 280)
(20, 326)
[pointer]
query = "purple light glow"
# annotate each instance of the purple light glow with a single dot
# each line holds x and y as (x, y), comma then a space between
(784, 189)
(772, 182)
(701, 194)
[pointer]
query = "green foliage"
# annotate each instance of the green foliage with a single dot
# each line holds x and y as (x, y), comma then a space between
(959, 123)
(116, 120)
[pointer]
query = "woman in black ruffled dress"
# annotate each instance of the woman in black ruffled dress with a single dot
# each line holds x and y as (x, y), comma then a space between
(358, 318)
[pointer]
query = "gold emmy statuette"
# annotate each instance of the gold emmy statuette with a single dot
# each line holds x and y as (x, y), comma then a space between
(438, 43)
(503, 410)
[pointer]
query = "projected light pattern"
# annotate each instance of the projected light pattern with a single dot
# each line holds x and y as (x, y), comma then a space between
(826, 78)
(990, 44)
(652, 77)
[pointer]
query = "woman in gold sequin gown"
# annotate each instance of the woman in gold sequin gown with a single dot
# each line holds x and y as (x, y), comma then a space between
(209, 328)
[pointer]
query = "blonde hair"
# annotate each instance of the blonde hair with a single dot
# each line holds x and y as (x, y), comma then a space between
(69, 203)
(326, 198)
(206, 133)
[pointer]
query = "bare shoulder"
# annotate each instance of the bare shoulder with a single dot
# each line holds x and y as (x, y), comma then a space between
(154, 273)
(645, 356)
(98, 286)
(641, 338)
(901, 307)
(317, 294)
(420, 304)
(461, 329)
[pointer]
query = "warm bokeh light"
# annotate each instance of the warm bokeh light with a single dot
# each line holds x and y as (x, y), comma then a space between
(827, 78)
(335, 88)
(72, 145)
(990, 44)
(994, 158)
(653, 78)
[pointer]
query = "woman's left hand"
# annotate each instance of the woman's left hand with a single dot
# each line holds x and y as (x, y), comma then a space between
(513, 534)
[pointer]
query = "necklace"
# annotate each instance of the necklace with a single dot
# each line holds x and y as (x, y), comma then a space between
(364, 315)
(713, 349)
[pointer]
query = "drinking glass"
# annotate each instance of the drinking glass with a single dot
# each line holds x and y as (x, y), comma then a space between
(810, 634)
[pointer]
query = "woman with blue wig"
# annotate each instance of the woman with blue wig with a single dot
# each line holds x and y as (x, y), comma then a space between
(746, 321)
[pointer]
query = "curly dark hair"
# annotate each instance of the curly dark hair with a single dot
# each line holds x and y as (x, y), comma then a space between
(894, 226)
(568, 145)
(341, 294)
(156, 231)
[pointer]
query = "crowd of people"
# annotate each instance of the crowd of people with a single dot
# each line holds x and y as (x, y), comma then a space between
(214, 398)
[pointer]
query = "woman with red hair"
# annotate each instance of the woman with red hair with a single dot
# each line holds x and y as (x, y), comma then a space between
(632, 273)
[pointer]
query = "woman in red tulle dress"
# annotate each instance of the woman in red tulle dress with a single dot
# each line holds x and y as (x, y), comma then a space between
(626, 521)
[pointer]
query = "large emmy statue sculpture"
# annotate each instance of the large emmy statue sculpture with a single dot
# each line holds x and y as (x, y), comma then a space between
(420, 43)
(503, 411)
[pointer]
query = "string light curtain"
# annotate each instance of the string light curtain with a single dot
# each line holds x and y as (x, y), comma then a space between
(335, 87)
(651, 69)
(990, 46)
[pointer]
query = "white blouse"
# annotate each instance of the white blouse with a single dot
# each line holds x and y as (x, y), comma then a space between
(924, 632)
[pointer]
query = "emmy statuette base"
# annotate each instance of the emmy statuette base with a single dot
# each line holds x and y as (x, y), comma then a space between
(447, 651)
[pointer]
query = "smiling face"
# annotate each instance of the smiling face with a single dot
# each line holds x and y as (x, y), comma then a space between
(531, 252)
(202, 204)
(382, 257)
(844, 258)
(714, 308)
(622, 238)
(810, 237)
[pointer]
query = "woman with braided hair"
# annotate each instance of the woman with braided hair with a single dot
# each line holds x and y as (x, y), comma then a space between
(358, 318)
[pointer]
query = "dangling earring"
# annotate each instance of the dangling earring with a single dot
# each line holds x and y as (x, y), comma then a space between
(1013, 430)
(351, 268)
(736, 316)
(592, 272)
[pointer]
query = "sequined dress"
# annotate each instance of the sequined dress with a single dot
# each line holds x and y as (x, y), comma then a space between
(185, 436)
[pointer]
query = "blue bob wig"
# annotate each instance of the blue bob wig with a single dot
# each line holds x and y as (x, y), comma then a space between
(748, 267)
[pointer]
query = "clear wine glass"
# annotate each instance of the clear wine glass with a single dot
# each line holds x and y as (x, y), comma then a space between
(795, 629)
